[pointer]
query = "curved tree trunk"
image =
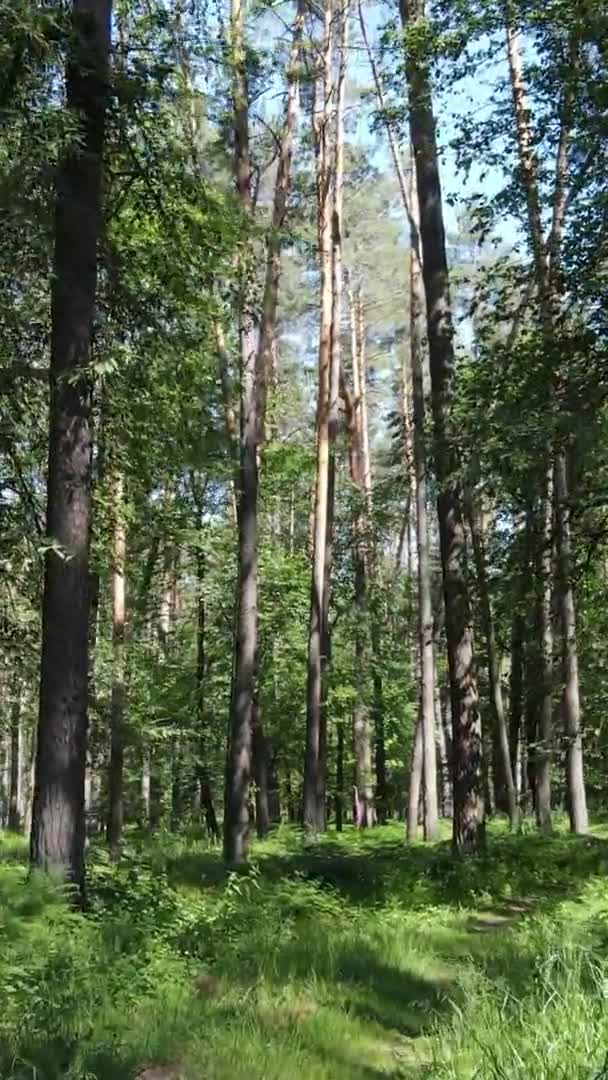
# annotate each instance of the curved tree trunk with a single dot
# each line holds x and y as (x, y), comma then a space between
(58, 825)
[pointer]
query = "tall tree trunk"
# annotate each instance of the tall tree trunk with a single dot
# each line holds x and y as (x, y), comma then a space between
(381, 797)
(202, 768)
(238, 762)
(415, 787)
(16, 754)
(260, 761)
(314, 793)
(516, 701)
(337, 200)
(145, 788)
(475, 514)
(442, 753)
(544, 744)
(117, 707)
(58, 825)
(255, 353)
(363, 560)
(340, 777)
(469, 819)
(575, 778)
(425, 598)
(547, 255)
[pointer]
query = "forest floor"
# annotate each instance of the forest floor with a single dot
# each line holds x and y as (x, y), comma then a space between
(352, 959)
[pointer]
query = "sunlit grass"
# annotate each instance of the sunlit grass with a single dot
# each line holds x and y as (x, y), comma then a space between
(351, 957)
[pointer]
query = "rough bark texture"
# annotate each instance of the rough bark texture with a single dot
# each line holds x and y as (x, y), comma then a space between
(469, 819)
(238, 763)
(58, 826)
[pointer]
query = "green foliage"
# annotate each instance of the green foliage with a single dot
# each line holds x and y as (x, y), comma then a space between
(360, 953)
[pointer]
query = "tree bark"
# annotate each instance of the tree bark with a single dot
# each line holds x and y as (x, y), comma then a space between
(255, 354)
(516, 702)
(547, 255)
(340, 777)
(337, 170)
(416, 769)
(58, 824)
(238, 759)
(260, 761)
(118, 701)
(202, 769)
(544, 744)
(575, 777)
(475, 514)
(469, 819)
(314, 793)
(425, 597)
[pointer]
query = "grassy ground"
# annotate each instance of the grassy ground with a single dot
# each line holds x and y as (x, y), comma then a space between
(358, 957)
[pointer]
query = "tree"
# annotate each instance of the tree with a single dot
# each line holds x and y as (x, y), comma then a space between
(469, 821)
(57, 841)
(546, 254)
(314, 765)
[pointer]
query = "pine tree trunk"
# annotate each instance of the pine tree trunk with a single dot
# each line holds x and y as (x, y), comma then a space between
(425, 599)
(415, 787)
(336, 208)
(544, 744)
(516, 702)
(202, 769)
(575, 777)
(58, 824)
(145, 789)
(314, 765)
(340, 777)
(255, 354)
(260, 759)
(547, 254)
(501, 739)
(238, 762)
(118, 701)
(381, 796)
(469, 823)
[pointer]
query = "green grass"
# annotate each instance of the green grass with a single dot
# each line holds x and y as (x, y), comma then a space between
(355, 957)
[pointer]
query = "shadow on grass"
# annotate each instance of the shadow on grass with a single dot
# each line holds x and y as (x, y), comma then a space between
(378, 869)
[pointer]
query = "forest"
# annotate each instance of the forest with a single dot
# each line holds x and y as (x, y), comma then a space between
(303, 539)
